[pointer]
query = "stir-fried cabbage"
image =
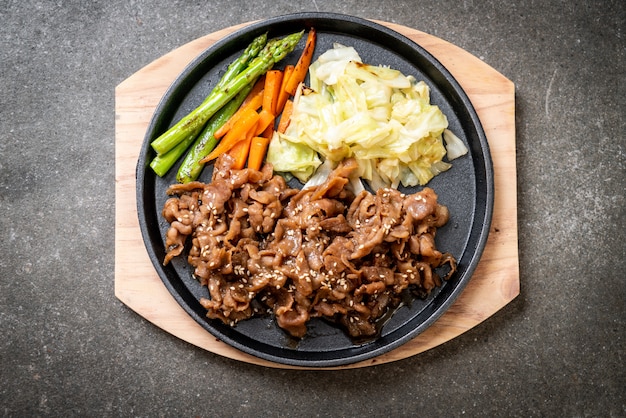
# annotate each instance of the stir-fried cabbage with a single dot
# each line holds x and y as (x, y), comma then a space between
(376, 114)
(292, 157)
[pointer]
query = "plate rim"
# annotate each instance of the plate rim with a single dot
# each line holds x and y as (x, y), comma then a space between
(485, 219)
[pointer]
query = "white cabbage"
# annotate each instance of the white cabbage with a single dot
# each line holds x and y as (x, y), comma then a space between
(377, 115)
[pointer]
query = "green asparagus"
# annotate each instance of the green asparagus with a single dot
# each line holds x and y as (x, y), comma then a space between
(237, 66)
(240, 63)
(162, 163)
(191, 167)
(274, 51)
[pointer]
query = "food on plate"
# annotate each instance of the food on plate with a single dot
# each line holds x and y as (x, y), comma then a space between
(349, 109)
(331, 249)
(321, 252)
(374, 114)
(259, 57)
(247, 139)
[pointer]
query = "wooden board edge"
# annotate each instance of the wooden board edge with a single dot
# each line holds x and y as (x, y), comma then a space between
(195, 47)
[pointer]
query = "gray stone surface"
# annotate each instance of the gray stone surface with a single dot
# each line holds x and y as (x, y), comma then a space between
(70, 348)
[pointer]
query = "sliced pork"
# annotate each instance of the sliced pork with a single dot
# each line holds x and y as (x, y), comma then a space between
(322, 252)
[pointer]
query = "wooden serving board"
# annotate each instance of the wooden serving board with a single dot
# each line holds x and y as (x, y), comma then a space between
(494, 283)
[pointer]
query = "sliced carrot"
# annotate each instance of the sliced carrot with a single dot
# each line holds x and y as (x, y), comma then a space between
(266, 119)
(252, 102)
(258, 148)
(258, 86)
(248, 120)
(259, 145)
(302, 66)
(285, 117)
(240, 153)
(283, 95)
(268, 132)
(273, 81)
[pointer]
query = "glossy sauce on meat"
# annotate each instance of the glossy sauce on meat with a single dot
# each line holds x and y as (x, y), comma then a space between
(322, 252)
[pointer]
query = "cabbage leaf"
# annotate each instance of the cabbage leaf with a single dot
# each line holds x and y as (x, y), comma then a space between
(375, 114)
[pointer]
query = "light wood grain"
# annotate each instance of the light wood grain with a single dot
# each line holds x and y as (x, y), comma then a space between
(494, 284)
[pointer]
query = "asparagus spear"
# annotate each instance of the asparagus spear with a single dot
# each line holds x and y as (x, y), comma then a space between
(274, 51)
(162, 163)
(240, 63)
(191, 167)
(251, 51)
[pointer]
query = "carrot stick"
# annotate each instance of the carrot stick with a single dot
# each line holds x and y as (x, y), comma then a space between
(248, 119)
(260, 141)
(258, 86)
(302, 66)
(273, 81)
(240, 152)
(283, 95)
(285, 117)
(268, 132)
(266, 119)
(252, 102)
(258, 148)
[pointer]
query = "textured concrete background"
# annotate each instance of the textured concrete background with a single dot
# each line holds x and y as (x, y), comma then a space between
(70, 348)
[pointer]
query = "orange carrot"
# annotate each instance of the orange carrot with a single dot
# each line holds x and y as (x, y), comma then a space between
(258, 86)
(248, 120)
(273, 81)
(285, 117)
(268, 132)
(240, 152)
(260, 142)
(252, 102)
(283, 95)
(258, 148)
(302, 66)
(266, 119)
